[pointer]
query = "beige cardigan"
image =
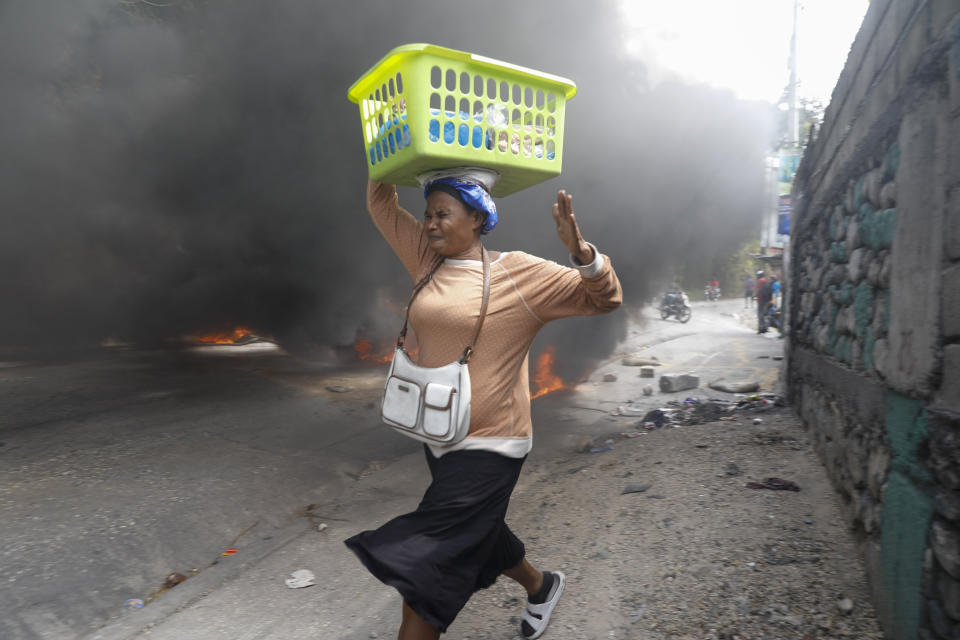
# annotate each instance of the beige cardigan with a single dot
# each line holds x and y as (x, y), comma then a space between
(526, 292)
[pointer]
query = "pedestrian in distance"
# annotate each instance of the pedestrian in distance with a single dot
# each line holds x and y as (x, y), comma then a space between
(764, 295)
(456, 542)
(748, 292)
(777, 289)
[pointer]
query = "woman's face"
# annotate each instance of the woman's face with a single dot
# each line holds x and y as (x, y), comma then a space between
(450, 227)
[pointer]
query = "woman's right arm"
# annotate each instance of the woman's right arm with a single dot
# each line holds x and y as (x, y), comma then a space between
(402, 231)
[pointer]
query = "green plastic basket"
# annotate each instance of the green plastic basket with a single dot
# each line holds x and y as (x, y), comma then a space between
(425, 107)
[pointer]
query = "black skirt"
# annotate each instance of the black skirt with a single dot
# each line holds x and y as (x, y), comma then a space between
(455, 543)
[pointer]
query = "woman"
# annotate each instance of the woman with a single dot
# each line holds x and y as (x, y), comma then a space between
(457, 542)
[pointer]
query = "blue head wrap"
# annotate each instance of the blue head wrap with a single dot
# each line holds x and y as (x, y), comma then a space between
(471, 194)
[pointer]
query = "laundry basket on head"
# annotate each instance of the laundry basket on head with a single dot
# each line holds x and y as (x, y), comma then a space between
(425, 107)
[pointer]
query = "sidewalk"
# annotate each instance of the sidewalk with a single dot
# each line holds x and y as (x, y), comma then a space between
(697, 555)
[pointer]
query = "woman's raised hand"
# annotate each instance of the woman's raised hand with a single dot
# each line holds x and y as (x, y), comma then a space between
(568, 231)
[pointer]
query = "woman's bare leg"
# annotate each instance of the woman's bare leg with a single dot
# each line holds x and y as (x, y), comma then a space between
(529, 577)
(413, 627)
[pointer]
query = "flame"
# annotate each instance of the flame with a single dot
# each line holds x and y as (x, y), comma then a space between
(544, 378)
(382, 353)
(231, 337)
(365, 351)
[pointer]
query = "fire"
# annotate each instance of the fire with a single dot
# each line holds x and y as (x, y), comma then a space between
(231, 337)
(544, 378)
(383, 352)
(365, 351)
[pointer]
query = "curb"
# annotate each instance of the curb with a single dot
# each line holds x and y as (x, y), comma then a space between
(131, 624)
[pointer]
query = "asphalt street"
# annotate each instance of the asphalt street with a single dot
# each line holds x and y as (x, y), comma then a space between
(122, 468)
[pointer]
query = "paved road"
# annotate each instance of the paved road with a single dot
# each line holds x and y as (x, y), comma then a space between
(120, 469)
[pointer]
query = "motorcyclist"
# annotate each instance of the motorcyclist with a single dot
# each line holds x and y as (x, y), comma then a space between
(672, 294)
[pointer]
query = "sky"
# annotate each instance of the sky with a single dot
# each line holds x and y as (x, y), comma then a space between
(744, 45)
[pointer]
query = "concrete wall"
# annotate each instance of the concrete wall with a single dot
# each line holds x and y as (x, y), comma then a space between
(874, 307)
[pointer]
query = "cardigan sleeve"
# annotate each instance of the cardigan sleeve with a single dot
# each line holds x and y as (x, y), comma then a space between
(554, 291)
(402, 231)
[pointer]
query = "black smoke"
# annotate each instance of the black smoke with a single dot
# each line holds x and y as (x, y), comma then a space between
(179, 166)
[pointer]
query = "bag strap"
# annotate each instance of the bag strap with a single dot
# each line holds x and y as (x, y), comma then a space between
(483, 306)
(468, 351)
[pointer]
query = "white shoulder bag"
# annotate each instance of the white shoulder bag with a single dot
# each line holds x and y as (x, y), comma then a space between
(431, 404)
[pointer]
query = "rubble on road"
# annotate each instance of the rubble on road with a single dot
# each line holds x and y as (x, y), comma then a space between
(775, 484)
(734, 387)
(693, 410)
(635, 488)
(638, 361)
(673, 382)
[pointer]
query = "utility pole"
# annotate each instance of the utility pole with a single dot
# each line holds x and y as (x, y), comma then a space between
(794, 113)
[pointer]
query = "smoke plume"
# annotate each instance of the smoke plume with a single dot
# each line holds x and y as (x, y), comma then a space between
(196, 166)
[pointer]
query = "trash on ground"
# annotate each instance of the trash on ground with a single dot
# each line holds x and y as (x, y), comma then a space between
(600, 449)
(638, 361)
(731, 386)
(673, 382)
(845, 606)
(338, 389)
(133, 603)
(301, 578)
(776, 484)
(635, 488)
(694, 410)
(173, 580)
(657, 417)
(757, 421)
(229, 552)
(634, 434)
(322, 526)
(646, 372)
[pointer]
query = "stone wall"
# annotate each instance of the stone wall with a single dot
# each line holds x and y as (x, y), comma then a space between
(874, 307)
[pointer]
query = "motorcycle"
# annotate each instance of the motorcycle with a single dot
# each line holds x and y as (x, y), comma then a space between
(675, 304)
(711, 293)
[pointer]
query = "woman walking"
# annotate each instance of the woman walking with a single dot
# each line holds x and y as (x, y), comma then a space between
(456, 542)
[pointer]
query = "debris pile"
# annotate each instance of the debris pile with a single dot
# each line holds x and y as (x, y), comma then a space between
(694, 410)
